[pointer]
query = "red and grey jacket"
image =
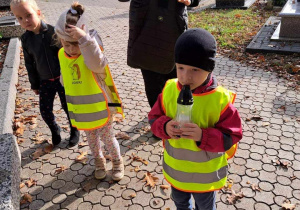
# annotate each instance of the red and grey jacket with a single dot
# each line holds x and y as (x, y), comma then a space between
(227, 132)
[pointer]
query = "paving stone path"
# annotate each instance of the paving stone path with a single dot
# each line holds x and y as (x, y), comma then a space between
(276, 135)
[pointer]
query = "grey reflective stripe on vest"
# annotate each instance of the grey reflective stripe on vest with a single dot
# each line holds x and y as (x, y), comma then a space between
(194, 156)
(89, 117)
(87, 99)
(203, 178)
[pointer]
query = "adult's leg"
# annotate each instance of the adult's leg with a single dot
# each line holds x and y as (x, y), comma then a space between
(154, 84)
(205, 201)
(182, 200)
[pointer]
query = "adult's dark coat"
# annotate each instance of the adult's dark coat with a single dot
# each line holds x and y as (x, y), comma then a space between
(154, 26)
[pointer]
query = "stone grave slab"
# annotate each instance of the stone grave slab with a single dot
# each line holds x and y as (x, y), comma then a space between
(288, 29)
(262, 42)
(9, 27)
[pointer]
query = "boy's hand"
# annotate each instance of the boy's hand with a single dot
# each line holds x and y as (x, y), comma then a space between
(75, 32)
(172, 129)
(191, 131)
(186, 2)
(36, 92)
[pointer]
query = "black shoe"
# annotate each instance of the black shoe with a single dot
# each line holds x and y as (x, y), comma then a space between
(56, 138)
(74, 137)
(124, 0)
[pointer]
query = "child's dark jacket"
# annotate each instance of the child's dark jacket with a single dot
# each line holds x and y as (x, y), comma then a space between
(41, 55)
(227, 132)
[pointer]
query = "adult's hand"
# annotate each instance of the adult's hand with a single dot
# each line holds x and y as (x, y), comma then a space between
(186, 2)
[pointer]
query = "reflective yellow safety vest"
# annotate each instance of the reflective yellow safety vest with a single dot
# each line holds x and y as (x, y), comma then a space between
(87, 102)
(185, 166)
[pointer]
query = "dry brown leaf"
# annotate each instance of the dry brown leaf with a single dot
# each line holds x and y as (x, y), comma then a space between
(20, 131)
(38, 153)
(48, 148)
(137, 169)
(255, 187)
(237, 15)
(30, 182)
(228, 185)
(20, 140)
(122, 135)
(117, 119)
(234, 197)
(288, 206)
(150, 180)
(283, 164)
(82, 157)
(87, 187)
(60, 169)
(164, 187)
(156, 202)
(26, 199)
(133, 195)
(22, 185)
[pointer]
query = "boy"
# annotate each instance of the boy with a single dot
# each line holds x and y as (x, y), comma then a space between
(195, 155)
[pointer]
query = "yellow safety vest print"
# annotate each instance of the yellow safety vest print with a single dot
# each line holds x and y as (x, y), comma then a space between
(185, 166)
(87, 102)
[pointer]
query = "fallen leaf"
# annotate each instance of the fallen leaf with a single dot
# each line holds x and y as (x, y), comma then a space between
(156, 202)
(288, 206)
(234, 197)
(237, 15)
(22, 185)
(38, 153)
(255, 187)
(20, 140)
(122, 135)
(48, 148)
(87, 187)
(133, 195)
(150, 180)
(137, 169)
(82, 157)
(60, 169)
(164, 187)
(26, 199)
(30, 182)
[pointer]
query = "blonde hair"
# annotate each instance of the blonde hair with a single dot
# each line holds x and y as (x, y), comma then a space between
(73, 17)
(31, 2)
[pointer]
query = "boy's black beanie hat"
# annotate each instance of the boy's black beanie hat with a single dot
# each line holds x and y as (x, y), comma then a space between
(196, 47)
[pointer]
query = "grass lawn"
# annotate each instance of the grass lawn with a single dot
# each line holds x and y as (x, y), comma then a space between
(234, 29)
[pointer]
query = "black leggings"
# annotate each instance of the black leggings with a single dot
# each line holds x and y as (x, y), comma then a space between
(48, 90)
(154, 83)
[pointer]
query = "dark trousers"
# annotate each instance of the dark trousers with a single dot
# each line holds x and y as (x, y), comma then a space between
(154, 83)
(203, 201)
(47, 91)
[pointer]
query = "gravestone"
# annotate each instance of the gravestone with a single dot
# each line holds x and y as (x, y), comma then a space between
(4, 3)
(235, 4)
(9, 27)
(289, 27)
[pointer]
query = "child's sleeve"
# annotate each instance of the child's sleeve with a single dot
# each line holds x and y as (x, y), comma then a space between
(33, 75)
(158, 119)
(94, 58)
(226, 133)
